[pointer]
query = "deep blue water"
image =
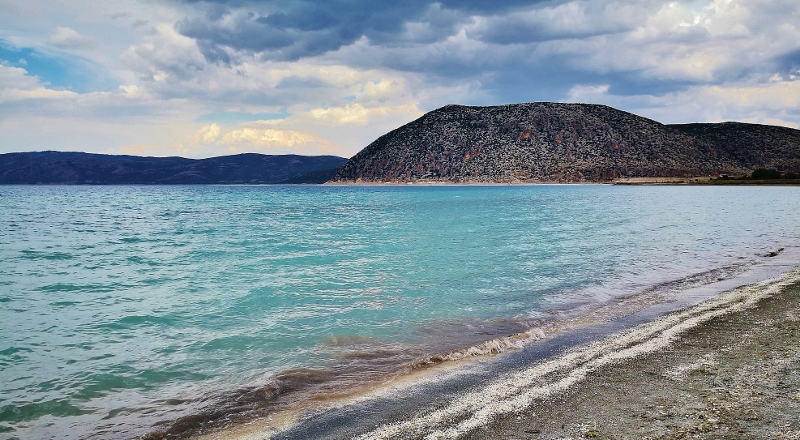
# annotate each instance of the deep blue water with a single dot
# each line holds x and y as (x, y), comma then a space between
(124, 306)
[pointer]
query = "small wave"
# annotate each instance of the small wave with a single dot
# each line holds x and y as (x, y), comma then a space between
(702, 278)
(144, 261)
(134, 321)
(13, 355)
(586, 313)
(130, 240)
(26, 411)
(64, 303)
(12, 350)
(774, 253)
(494, 346)
(244, 403)
(231, 342)
(39, 255)
(68, 287)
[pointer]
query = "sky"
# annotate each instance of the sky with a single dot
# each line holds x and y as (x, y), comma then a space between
(315, 77)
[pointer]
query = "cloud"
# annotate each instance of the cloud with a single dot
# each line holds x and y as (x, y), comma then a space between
(16, 78)
(560, 21)
(295, 30)
(67, 38)
(776, 97)
(272, 139)
(350, 114)
(165, 57)
(143, 149)
(304, 82)
(260, 136)
(38, 93)
(290, 31)
(357, 114)
(776, 102)
(588, 93)
(206, 134)
(212, 140)
(788, 66)
(21, 93)
(131, 91)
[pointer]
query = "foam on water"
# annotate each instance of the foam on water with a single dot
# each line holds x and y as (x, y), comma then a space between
(515, 392)
(129, 309)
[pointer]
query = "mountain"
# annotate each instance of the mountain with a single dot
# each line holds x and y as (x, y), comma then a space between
(554, 142)
(53, 167)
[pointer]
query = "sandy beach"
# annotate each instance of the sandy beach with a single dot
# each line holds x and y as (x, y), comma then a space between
(735, 376)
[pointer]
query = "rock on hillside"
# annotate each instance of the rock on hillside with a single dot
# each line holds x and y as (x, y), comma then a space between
(53, 167)
(547, 142)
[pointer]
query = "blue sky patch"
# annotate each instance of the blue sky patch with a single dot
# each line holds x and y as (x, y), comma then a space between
(56, 72)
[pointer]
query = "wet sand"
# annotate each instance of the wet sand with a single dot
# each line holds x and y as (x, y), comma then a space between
(736, 376)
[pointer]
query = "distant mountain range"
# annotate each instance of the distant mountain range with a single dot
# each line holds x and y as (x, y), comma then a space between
(518, 143)
(553, 142)
(52, 167)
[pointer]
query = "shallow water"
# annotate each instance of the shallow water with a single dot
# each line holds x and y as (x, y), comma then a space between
(123, 307)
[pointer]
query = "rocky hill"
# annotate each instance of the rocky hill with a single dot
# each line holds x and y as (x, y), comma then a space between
(553, 142)
(751, 145)
(52, 167)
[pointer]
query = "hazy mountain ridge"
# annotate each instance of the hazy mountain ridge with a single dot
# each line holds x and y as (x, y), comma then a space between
(554, 142)
(52, 167)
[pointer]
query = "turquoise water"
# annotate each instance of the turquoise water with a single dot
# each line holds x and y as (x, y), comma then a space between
(124, 308)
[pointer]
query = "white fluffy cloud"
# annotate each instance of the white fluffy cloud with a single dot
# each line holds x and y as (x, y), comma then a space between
(270, 139)
(770, 103)
(212, 140)
(67, 38)
(165, 57)
(357, 114)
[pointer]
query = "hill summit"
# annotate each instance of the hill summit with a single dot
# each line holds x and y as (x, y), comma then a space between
(555, 142)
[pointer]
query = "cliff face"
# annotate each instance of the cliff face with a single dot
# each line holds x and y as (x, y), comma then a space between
(552, 142)
(52, 167)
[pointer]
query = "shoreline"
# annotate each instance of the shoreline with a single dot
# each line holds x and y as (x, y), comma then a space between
(526, 395)
(389, 412)
(624, 181)
(737, 375)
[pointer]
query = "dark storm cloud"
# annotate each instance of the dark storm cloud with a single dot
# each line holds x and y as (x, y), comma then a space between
(506, 51)
(788, 64)
(297, 29)
(553, 22)
(213, 53)
(412, 36)
(516, 32)
(240, 32)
